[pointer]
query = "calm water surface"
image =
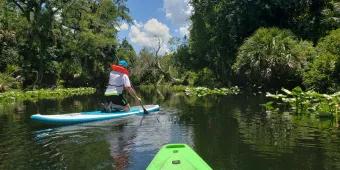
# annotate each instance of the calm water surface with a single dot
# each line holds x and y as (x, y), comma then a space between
(229, 132)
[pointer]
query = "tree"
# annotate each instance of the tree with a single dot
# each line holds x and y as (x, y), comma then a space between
(90, 38)
(183, 59)
(9, 53)
(52, 33)
(321, 76)
(272, 58)
(127, 52)
(220, 27)
(323, 73)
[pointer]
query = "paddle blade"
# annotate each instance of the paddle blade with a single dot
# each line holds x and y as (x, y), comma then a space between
(145, 111)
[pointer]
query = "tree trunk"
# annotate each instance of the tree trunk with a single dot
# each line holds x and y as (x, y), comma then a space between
(165, 74)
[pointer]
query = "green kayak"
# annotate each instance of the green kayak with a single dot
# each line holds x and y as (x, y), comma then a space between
(179, 157)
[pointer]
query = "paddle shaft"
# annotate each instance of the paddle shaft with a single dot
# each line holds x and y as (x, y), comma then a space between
(140, 100)
(145, 111)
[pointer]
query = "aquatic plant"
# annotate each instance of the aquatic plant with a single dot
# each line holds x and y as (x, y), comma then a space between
(310, 102)
(174, 88)
(203, 91)
(192, 91)
(12, 96)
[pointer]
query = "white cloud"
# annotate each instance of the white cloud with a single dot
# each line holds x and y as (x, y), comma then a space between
(150, 34)
(158, 29)
(138, 24)
(178, 11)
(184, 30)
(124, 26)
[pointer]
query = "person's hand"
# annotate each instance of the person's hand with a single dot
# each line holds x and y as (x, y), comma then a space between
(139, 99)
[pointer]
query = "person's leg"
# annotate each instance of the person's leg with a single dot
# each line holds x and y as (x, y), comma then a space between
(106, 104)
(116, 106)
(107, 107)
(125, 103)
(127, 108)
(120, 103)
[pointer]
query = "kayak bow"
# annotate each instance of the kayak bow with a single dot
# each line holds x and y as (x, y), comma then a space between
(177, 157)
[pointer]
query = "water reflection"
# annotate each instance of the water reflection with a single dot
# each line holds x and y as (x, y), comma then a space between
(231, 132)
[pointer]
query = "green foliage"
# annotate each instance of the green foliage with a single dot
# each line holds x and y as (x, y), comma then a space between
(167, 63)
(324, 72)
(190, 78)
(71, 43)
(272, 58)
(13, 96)
(330, 43)
(9, 79)
(9, 54)
(183, 58)
(331, 14)
(152, 69)
(8, 82)
(71, 69)
(206, 77)
(43, 36)
(143, 72)
(321, 74)
(220, 27)
(163, 87)
(126, 52)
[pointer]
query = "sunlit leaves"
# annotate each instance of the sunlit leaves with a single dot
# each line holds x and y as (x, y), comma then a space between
(203, 91)
(323, 73)
(306, 102)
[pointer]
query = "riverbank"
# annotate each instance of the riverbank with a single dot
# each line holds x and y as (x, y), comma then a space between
(12, 96)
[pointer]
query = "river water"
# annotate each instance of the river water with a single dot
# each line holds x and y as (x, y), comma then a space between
(228, 132)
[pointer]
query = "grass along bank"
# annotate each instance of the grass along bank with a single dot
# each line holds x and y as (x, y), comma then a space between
(12, 96)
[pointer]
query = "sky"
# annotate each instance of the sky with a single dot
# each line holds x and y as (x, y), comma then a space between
(155, 21)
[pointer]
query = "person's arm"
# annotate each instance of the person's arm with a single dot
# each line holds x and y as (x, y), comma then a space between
(129, 88)
(133, 93)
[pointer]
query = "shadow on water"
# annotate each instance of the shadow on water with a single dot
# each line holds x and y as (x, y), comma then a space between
(229, 132)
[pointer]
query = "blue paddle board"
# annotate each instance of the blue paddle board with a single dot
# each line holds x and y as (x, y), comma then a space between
(82, 117)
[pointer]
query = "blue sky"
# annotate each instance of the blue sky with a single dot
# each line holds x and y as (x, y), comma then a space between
(154, 21)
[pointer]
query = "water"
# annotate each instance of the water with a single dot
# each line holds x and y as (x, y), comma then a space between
(228, 132)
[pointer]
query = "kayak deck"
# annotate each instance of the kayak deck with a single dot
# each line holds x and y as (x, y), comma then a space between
(82, 117)
(177, 156)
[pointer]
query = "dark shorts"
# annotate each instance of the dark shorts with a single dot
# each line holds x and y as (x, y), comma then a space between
(118, 100)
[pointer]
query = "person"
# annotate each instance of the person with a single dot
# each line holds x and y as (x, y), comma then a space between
(118, 83)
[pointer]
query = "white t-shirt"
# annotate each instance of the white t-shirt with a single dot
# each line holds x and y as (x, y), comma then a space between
(117, 82)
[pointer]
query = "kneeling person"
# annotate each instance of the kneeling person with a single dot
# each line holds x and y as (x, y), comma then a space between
(118, 82)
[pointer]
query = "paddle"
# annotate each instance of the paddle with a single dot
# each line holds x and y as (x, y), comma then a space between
(145, 111)
(140, 100)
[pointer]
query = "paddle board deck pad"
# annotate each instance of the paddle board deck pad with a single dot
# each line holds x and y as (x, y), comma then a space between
(82, 117)
(177, 156)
